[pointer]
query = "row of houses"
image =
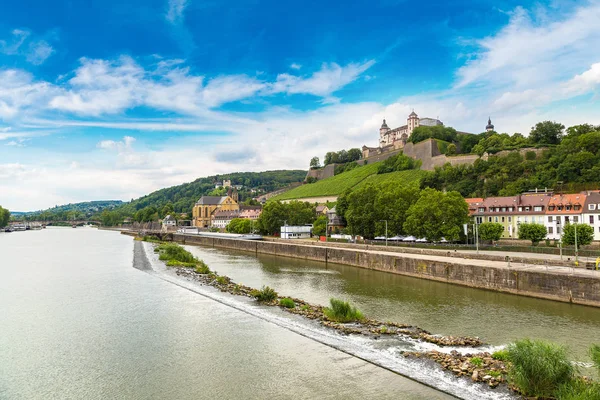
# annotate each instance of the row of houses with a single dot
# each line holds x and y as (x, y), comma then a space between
(546, 208)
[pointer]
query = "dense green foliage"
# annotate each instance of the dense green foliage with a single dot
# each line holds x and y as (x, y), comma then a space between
(578, 389)
(4, 217)
(534, 232)
(70, 212)
(275, 214)
(183, 197)
(399, 162)
(403, 178)
(315, 163)
(320, 226)
(342, 156)
(573, 159)
(266, 294)
(490, 231)
(539, 368)
(585, 234)
(341, 168)
(595, 356)
(239, 225)
(436, 215)
(365, 208)
(342, 311)
(287, 303)
(441, 132)
(333, 186)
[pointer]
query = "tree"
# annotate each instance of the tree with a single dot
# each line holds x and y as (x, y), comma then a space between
(4, 217)
(451, 149)
(239, 225)
(585, 234)
(437, 215)
(533, 232)
(320, 226)
(547, 132)
(276, 213)
(491, 231)
(315, 163)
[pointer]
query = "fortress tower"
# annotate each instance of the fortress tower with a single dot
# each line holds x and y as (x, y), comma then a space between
(489, 126)
(412, 122)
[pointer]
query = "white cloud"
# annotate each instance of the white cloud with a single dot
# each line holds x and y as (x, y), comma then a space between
(531, 50)
(18, 91)
(295, 66)
(36, 52)
(175, 10)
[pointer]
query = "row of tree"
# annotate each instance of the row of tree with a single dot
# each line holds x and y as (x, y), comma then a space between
(337, 157)
(4, 217)
(537, 232)
(427, 213)
(275, 214)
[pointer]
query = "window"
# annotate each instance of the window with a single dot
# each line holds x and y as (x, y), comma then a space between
(489, 219)
(591, 207)
(518, 220)
(591, 220)
(577, 207)
(550, 218)
(568, 208)
(496, 219)
(509, 219)
(538, 208)
(550, 208)
(559, 208)
(575, 218)
(526, 219)
(479, 220)
(566, 219)
(481, 209)
(503, 209)
(502, 219)
(527, 208)
(520, 209)
(558, 230)
(550, 230)
(511, 209)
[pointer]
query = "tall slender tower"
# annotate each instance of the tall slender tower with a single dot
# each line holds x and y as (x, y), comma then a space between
(489, 126)
(412, 122)
(382, 134)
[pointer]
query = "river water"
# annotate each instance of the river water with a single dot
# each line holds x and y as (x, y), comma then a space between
(77, 321)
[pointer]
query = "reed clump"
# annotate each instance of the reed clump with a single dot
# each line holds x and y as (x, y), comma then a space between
(342, 311)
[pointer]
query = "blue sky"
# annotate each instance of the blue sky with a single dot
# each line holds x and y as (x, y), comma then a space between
(114, 99)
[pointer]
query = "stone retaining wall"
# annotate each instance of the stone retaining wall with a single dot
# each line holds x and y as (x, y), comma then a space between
(554, 286)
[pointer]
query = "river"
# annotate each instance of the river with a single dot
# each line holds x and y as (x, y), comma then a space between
(77, 321)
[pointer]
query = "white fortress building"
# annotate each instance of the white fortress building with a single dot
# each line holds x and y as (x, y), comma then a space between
(401, 134)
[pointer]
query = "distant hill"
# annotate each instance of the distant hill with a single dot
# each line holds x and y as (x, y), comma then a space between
(70, 211)
(183, 197)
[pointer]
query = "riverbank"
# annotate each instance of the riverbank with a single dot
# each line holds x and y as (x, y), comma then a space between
(563, 284)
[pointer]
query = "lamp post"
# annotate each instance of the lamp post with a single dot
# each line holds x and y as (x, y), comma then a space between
(477, 236)
(386, 235)
(576, 252)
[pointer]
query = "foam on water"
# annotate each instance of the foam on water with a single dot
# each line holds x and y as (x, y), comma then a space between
(385, 353)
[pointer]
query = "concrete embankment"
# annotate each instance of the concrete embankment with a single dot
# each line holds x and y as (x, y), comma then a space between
(564, 284)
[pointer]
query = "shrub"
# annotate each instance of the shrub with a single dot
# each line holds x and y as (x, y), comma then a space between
(267, 294)
(539, 368)
(223, 280)
(595, 355)
(477, 361)
(175, 263)
(172, 251)
(305, 307)
(578, 389)
(202, 268)
(287, 303)
(500, 355)
(342, 311)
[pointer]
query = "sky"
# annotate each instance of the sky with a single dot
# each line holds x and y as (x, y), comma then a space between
(111, 100)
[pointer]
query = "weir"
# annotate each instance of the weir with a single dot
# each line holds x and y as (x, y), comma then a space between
(563, 284)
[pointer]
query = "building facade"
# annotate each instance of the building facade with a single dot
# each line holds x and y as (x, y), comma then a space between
(169, 221)
(591, 212)
(563, 209)
(205, 209)
(399, 136)
(296, 232)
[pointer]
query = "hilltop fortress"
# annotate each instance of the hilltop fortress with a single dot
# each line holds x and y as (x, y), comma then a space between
(393, 141)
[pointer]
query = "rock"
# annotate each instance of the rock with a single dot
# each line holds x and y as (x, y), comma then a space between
(486, 378)
(475, 376)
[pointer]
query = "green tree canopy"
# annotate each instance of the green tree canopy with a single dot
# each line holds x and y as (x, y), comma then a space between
(547, 132)
(320, 226)
(585, 234)
(239, 225)
(276, 213)
(441, 132)
(533, 232)
(315, 163)
(437, 215)
(399, 162)
(4, 217)
(491, 231)
(342, 156)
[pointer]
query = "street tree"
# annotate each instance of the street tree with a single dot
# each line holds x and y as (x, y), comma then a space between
(437, 215)
(239, 225)
(320, 226)
(533, 232)
(491, 231)
(585, 234)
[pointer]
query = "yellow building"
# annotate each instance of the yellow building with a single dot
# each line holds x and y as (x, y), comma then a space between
(205, 209)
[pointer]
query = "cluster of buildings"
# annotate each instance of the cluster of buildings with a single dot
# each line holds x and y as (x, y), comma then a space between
(218, 211)
(552, 210)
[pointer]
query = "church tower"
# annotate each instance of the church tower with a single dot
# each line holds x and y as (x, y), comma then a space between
(383, 140)
(412, 122)
(489, 126)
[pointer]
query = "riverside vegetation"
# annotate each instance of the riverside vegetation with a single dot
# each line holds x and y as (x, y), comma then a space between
(532, 368)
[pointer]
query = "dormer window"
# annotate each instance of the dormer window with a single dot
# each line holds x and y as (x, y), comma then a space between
(591, 207)
(527, 209)
(559, 208)
(520, 209)
(481, 209)
(577, 207)
(551, 208)
(568, 207)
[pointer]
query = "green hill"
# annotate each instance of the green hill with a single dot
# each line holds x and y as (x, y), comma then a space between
(336, 185)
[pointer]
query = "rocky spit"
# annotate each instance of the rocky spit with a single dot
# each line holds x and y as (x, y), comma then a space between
(478, 366)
